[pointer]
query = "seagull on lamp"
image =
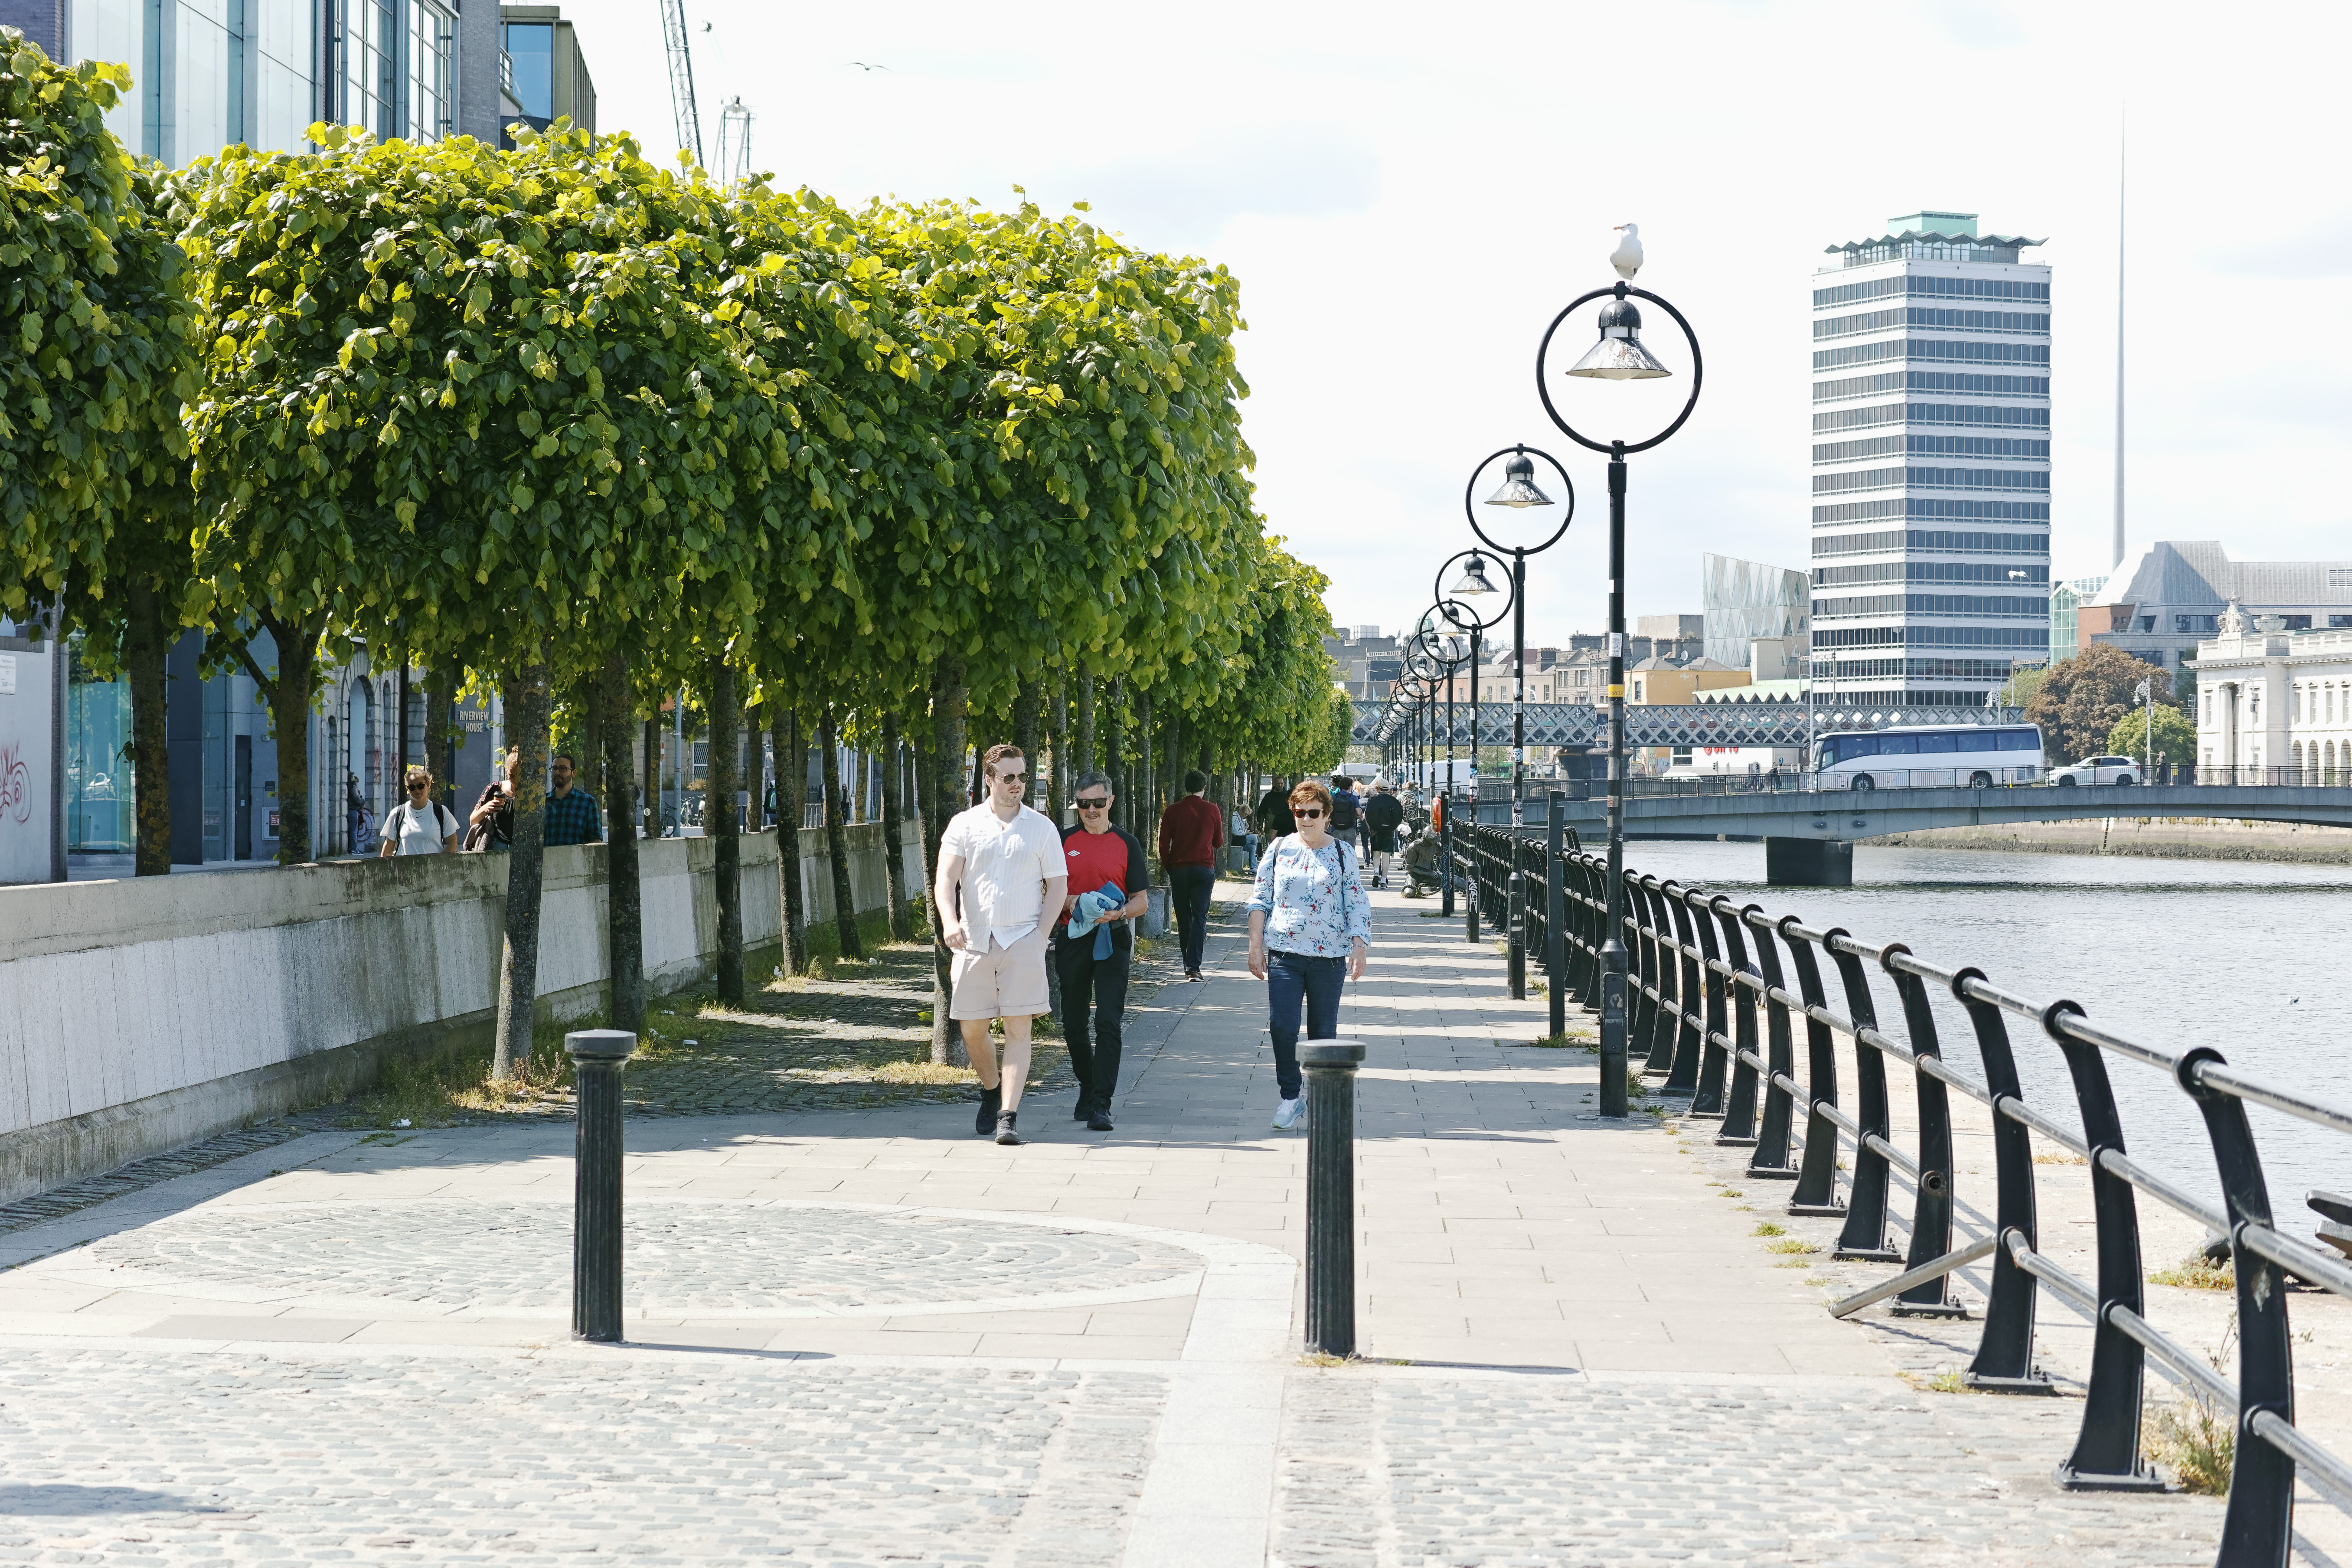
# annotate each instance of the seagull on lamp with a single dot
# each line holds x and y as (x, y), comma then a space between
(1627, 257)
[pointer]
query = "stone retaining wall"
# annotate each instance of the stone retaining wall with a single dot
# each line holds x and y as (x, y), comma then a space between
(142, 1014)
(2176, 838)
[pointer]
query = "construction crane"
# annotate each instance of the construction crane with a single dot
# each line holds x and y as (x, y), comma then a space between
(681, 78)
(734, 142)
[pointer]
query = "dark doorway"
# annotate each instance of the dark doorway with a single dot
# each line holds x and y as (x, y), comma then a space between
(244, 798)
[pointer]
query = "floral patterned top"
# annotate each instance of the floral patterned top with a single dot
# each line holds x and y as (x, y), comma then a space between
(1313, 899)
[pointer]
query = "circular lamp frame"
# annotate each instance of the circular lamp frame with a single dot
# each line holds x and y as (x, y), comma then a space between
(1619, 448)
(1470, 506)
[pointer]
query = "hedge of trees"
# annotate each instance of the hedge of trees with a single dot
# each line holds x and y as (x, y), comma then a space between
(562, 424)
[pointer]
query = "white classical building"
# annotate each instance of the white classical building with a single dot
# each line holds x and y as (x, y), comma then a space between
(2269, 697)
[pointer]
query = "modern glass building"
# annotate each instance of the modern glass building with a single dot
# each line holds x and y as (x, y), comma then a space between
(1745, 600)
(2067, 601)
(1930, 462)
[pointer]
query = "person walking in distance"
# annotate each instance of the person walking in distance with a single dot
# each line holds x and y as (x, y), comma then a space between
(420, 825)
(1383, 815)
(1347, 810)
(1190, 834)
(572, 817)
(1001, 880)
(1310, 924)
(1095, 951)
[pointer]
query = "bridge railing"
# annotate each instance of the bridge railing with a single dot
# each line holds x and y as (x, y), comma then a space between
(2329, 774)
(1717, 995)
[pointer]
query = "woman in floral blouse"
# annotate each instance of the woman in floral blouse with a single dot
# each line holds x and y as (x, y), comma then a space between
(1308, 920)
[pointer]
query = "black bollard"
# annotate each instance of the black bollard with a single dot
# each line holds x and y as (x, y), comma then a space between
(1331, 1067)
(597, 1056)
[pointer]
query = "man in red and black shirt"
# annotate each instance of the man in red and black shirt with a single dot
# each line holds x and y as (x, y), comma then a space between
(1192, 831)
(1097, 854)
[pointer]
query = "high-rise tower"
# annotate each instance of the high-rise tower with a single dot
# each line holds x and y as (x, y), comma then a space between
(1931, 463)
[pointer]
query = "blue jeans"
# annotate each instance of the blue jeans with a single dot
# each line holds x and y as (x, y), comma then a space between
(1290, 978)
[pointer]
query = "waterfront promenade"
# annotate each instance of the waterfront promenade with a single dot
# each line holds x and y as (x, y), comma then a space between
(866, 1336)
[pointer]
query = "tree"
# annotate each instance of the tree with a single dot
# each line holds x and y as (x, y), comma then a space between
(2081, 698)
(2175, 736)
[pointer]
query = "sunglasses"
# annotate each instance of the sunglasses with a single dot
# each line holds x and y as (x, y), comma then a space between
(1012, 778)
(1307, 814)
(1102, 804)
(418, 785)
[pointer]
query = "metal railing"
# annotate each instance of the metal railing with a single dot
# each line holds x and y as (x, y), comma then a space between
(1717, 995)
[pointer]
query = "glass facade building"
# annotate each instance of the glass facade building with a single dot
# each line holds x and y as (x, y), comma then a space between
(2065, 600)
(1930, 462)
(1745, 600)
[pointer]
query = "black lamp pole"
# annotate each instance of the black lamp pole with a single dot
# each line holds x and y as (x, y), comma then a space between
(1617, 356)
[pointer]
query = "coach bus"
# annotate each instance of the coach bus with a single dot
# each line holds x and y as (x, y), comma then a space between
(1929, 756)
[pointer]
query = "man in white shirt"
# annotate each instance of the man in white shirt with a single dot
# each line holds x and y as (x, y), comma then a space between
(1001, 883)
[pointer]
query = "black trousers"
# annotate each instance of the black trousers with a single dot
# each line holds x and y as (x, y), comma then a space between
(1096, 986)
(1189, 887)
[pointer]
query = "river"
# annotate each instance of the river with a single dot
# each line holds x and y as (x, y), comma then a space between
(2252, 959)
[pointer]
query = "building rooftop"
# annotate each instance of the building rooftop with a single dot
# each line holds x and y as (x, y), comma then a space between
(1931, 235)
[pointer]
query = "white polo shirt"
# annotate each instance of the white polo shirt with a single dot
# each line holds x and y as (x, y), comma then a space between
(1005, 866)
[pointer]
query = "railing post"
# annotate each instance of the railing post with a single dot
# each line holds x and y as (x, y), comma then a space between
(1330, 1067)
(1515, 916)
(1682, 1072)
(1712, 1056)
(1475, 898)
(1555, 911)
(1444, 853)
(2106, 1455)
(2259, 1525)
(597, 1056)
(1770, 1161)
(1931, 1211)
(1816, 1190)
(1666, 1010)
(2004, 1359)
(1739, 1111)
(1865, 1236)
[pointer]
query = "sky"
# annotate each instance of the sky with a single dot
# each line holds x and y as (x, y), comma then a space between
(1409, 194)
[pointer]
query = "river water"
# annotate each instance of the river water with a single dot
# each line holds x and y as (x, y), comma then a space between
(2252, 959)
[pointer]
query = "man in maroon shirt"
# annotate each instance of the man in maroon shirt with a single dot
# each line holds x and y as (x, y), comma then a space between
(1099, 854)
(1191, 832)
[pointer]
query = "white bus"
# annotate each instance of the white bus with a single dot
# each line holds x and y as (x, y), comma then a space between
(1929, 756)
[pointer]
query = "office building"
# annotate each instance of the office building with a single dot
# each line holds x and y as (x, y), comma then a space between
(1748, 600)
(2065, 603)
(546, 76)
(1930, 462)
(2159, 606)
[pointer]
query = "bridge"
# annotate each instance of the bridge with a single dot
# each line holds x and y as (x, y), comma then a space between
(1555, 724)
(1809, 834)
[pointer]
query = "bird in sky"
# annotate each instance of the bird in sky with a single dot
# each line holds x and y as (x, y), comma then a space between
(861, 65)
(1627, 257)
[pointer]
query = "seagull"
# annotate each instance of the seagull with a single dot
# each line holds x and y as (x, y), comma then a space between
(1627, 257)
(861, 65)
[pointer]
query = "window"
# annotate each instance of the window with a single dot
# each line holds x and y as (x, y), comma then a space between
(2027, 511)
(2337, 621)
(1932, 479)
(531, 46)
(1931, 288)
(1931, 349)
(370, 84)
(1928, 414)
(2339, 576)
(2209, 708)
(1925, 572)
(1637, 688)
(1931, 605)
(1937, 539)
(1951, 383)
(2037, 639)
(2193, 623)
(1933, 446)
(1947, 320)
(2297, 623)
(432, 102)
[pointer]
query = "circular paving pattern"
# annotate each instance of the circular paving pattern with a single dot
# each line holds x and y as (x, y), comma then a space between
(701, 1258)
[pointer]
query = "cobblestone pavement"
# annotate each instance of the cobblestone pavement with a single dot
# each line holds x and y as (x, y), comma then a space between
(294, 1459)
(1408, 1471)
(681, 1256)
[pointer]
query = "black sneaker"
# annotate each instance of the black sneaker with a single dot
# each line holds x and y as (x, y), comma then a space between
(1100, 1121)
(1083, 1108)
(1004, 1133)
(984, 1121)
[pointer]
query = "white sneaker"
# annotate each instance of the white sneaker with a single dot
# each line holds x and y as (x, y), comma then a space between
(1286, 1114)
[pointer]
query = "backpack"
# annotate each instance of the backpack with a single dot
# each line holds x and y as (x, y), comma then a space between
(444, 824)
(1343, 810)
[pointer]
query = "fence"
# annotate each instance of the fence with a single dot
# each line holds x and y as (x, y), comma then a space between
(1715, 996)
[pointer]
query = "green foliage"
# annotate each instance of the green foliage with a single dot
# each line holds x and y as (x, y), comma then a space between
(2175, 736)
(2081, 698)
(94, 363)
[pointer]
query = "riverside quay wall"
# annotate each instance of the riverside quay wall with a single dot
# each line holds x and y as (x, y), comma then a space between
(2163, 838)
(141, 1015)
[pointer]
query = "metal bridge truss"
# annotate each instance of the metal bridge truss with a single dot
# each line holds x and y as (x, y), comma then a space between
(1697, 724)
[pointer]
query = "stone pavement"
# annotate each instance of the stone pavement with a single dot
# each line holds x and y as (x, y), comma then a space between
(866, 1336)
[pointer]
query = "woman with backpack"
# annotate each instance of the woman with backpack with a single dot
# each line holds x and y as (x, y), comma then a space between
(1310, 924)
(419, 824)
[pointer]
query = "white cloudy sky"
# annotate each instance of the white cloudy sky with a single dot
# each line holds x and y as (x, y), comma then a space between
(1408, 194)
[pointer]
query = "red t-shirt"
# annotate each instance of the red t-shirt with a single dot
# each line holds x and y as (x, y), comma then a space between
(1190, 832)
(1096, 858)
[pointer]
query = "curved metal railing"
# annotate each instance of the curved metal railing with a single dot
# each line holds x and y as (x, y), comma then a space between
(1715, 994)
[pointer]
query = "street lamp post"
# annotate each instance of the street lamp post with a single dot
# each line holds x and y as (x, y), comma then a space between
(1466, 617)
(1519, 493)
(1619, 356)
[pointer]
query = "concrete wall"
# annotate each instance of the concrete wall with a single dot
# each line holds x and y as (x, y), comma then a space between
(139, 1015)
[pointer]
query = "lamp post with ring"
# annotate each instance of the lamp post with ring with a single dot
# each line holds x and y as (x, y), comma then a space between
(1449, 651)
(1474, 584)
(1518, 492)
(1619, 356)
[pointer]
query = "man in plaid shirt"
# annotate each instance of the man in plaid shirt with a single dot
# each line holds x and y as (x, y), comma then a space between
(571, 815)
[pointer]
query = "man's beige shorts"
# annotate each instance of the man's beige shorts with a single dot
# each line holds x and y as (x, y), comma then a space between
(1002, 981)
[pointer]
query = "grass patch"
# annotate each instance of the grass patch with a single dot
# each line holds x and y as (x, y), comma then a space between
(1947, 1381)
(2195, 1441)
(1793, 1263)
(922, 1072)
(2197, 1272)
(1766, 1227)
(1791, 1244)
(1561, 1042)
(822, 939)
(2060, 1157)
(435, 1088)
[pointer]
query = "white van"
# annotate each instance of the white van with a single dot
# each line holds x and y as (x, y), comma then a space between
(1929, 756)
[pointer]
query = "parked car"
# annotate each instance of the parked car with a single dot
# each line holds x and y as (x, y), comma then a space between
(2097, 771)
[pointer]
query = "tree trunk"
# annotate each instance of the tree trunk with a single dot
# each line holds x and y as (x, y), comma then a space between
(836, 840)
(400, 769)
(588, 711)
(791, 786)
(654, 773)
(624, 927)
(1084, 760)
(145, 647)
(440, 755)
(289, 693)
(1113, 745)
(894, 819)
(941, 788)
(720, 821)
(1058, 796)
(1028, 705)
(527, 701)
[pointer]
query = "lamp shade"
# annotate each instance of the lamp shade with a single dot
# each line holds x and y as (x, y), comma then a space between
(1619, 356)
(1474, 580)
(1519, 484)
